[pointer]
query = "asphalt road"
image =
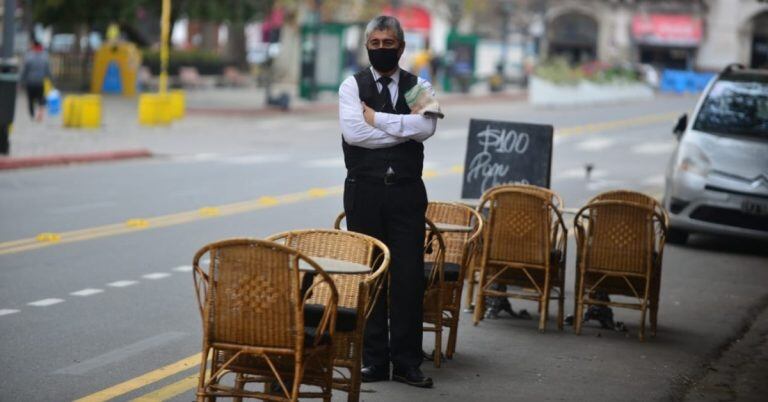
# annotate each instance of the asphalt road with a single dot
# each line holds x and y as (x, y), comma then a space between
(97, 313)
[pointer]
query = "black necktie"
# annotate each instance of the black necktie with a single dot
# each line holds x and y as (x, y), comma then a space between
(387, 101)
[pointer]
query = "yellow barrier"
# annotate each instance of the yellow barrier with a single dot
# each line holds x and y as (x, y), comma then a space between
(178, 104)
(159, 109)
(82, 111)
(154, 109)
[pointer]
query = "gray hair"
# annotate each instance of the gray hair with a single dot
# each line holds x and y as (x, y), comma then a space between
(384, 23)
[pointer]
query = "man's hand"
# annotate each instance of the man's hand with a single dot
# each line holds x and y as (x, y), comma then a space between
(368, 113)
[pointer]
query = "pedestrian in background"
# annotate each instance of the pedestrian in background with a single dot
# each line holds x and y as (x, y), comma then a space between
(36, 70)
(384, 196)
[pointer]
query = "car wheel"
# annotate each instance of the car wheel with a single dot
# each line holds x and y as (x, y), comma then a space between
(677, 236)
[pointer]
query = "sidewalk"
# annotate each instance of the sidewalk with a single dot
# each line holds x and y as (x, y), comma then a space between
(207, 110)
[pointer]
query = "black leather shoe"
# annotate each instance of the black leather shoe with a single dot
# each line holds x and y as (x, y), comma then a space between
(412, 376)
(375, 373)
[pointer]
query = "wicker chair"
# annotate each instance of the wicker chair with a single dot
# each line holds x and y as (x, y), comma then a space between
(524, 246)
(434, 258)
(620, 245)
(252, 307)
(473, 272)
(435, 288)
(460, 246)
(357, 292)
(641, 198)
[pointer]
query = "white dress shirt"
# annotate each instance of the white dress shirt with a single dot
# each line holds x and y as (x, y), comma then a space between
(388, 129)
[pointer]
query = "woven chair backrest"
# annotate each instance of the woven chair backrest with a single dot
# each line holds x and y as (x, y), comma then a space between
(454, 214)
(632, 196)
(434, 251)
(620, 237)
(344, 246)
(553, 197)
(519, 226)
(253, 294)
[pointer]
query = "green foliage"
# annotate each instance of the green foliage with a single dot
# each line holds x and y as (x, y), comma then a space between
(560, 72)
(206, 62)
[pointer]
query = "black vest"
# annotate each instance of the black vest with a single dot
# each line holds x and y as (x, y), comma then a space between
(406, 159)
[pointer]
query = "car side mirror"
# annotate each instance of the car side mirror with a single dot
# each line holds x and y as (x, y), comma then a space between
(682, 123)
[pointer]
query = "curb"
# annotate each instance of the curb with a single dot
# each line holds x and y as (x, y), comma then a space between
(8, 163)
(328, 107)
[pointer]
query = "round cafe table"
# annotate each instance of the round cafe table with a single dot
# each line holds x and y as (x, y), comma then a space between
(333, 266)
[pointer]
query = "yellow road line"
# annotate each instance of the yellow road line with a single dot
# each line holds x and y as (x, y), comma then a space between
(170, 391)
(215, 211)
(143, 380)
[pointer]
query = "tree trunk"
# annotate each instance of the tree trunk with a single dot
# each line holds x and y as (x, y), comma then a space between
(236, 46)
(209, 35)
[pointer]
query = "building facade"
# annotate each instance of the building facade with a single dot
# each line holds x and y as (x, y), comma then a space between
(696, 34)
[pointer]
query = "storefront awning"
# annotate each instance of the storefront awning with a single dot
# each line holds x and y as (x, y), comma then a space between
(667, 30)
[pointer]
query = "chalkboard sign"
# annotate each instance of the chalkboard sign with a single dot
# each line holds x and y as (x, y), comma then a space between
(501, 152)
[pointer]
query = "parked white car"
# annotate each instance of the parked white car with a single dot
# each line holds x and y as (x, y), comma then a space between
(717, 178)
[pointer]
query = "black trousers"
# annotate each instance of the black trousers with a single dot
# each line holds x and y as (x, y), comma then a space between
(34, 96)
(393, 214)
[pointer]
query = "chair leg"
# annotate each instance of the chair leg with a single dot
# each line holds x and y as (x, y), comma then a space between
(452, 335)
(201, 376)
(579, 307)
(353, 394)
(479, 301)
(654, 317)
(544, 302)
(560, 308)
(471, 282)
(438, 353)
(641, 333)
(239, 386)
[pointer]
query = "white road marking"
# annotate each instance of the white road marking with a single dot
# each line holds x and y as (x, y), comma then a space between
(656, 180)
(46, 302)
(579, 173)
(597, 185)
(196, 157)
(121, 354)
(184, 268)
(6, 311)
(654, 148)
(156, 275)
(254, 159)
(324, 163)
(122, 284)
(595, 144)
(86, 292)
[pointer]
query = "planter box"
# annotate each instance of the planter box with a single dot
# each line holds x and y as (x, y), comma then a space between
(546, 93)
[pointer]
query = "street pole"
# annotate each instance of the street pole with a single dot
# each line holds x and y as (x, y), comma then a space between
(8, 75)
(9, 28)
(165, 26)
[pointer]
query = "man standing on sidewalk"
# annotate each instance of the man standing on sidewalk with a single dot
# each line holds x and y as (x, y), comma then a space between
(385, 197)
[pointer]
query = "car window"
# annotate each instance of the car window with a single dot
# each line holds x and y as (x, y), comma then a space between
(735, 107)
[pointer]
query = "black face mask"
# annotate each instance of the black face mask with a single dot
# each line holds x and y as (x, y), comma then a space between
(384, 60)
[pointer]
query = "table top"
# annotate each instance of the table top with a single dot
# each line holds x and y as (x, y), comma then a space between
(449, 227)
(333, 266)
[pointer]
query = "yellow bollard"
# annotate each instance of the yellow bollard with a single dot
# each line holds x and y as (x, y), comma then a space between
(154, 109)
(69, 111)
(178, 104)
(90, 111)
(81, 111)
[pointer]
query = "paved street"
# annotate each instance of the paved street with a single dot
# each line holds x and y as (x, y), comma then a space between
(103, 305)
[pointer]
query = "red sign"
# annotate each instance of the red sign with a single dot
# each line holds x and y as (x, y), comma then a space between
(667, 29)
(412, 18)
